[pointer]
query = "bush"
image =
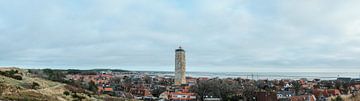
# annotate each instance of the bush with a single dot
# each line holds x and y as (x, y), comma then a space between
(66, 93)
(12, 74)
(79, 97)
(74, 89)
(54, 75)
(17, 77)
(92, 86)
(338, 98)
(35, 85)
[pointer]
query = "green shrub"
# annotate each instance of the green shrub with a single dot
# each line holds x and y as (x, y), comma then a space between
(17, 77)
(66, 93)
(12, 74)
(35, 85)
(79, 97)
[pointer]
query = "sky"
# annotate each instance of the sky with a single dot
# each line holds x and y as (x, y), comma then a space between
(218, 35)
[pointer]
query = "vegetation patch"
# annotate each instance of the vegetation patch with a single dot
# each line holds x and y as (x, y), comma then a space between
(12, 73)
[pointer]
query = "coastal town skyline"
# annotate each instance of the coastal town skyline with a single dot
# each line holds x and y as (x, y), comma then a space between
(219, 36)
(179, 50)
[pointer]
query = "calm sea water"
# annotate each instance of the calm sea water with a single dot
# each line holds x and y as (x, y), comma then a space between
(268, 75)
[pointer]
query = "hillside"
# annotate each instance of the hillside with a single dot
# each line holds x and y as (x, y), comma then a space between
(19, 85)
(12, 89)
(37, 89)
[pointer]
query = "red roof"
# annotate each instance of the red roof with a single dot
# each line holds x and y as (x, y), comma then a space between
(326, 92)
(303, 98)
(108, 89)
(184, 96)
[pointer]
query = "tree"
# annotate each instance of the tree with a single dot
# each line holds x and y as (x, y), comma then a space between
(338, 98)
(147, 79)
(296, 86)
(202, 88)
(345, 88)
(127, 84)
(249, 90)
(54, 75)
(226, 90)
(92, 86)
(338, 84)
(48, 71)
(157, 91)
(116, 80)
(229, 89)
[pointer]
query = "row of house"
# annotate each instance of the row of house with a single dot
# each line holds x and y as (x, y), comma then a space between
(154, 87)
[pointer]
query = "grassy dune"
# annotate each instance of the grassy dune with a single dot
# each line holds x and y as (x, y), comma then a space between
(21, 90)
(46, 90)
(12, 89)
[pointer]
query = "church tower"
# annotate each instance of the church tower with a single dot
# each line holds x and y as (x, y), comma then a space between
(180, 66)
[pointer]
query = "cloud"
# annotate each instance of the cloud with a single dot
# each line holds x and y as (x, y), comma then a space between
(232, 35)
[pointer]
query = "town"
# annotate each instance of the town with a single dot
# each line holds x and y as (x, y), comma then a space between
(180, 50)
(179, 87)
(141, 86)
(152, 87)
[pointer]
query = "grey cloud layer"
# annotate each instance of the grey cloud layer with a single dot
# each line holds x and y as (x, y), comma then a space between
(231, 35)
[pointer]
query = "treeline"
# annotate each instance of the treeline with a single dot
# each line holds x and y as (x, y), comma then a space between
(76, 71)
(217, 88)
(49, 74)
(226, 89)
(91, 71)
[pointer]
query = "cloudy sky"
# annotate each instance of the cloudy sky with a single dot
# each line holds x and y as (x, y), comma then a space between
(218, 35)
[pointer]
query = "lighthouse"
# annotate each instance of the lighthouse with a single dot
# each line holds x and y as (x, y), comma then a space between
(180, 65)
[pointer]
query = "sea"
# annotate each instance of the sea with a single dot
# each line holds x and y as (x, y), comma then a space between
(266, 75)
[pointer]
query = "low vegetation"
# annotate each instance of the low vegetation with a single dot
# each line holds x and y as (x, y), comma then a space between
(12, 73)
(217, 88)
(46, 85)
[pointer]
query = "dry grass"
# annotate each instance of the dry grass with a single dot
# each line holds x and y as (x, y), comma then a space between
(347, 97)
(353, 98)
(12, 89)
(15, 90)
(30, 96)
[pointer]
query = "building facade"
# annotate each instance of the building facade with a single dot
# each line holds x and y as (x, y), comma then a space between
(180, 66)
